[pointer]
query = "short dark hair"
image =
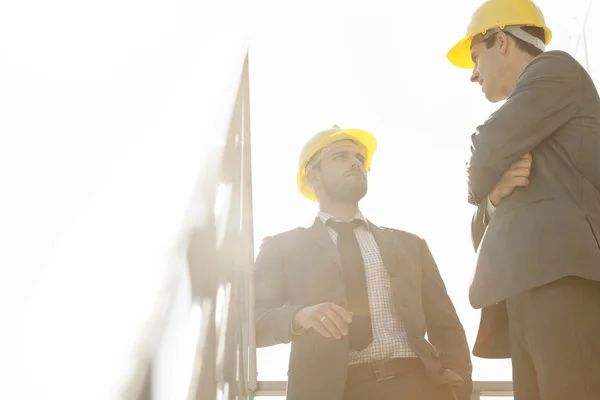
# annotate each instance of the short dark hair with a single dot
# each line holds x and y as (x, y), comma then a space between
(526, 47)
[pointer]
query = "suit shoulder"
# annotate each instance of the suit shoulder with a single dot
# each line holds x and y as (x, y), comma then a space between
(284, 236)
(557, 54)
(403, 234)
(556, 59)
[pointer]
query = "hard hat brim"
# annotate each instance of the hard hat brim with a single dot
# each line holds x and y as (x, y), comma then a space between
(460, 54)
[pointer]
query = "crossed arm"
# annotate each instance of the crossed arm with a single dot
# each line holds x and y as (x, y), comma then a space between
(545, 98)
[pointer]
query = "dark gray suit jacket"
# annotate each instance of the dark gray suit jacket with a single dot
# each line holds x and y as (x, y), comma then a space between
(551, 228)
(302, 268)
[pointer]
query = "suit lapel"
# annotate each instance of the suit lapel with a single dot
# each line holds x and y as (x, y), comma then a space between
(320, 237)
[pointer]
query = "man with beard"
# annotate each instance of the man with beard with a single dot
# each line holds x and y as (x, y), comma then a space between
(356, 300)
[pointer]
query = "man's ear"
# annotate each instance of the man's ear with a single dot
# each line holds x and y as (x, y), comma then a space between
(502, 40)
(314, 178)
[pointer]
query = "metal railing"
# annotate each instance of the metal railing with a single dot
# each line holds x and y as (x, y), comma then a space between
(480, 388)
(208, 308)
(228, 359)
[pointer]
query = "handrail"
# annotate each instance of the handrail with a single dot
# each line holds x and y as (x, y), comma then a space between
(480, 388)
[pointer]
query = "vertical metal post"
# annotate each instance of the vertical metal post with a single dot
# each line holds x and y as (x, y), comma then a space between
(248, 224)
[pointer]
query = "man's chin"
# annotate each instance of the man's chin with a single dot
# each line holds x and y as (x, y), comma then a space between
(493, 98)
(357, 193)
(348, 193)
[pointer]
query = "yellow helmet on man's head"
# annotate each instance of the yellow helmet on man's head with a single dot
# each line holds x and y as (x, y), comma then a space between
(323, 139)
(499, 14)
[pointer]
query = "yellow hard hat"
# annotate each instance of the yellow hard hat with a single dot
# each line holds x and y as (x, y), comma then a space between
(325, 138)
(497, 14)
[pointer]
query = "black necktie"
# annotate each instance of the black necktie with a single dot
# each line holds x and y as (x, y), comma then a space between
(360, 330)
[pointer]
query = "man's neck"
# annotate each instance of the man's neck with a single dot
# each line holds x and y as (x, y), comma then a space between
(521, 62)
(342, 212)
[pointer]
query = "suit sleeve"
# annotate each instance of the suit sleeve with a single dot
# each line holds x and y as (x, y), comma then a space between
(444, 328)
(273, 313)
(546, 96)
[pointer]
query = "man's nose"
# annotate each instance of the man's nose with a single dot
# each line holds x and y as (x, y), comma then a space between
(357, 164)
(475, 75)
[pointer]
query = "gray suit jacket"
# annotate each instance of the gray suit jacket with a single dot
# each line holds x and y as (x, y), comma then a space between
(302, 268)
(550, 229)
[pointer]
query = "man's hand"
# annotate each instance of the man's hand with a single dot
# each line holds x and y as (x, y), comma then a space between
(328, 319)
(516, 176)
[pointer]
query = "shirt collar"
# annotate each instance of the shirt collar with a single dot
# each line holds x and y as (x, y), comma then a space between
(324, 217)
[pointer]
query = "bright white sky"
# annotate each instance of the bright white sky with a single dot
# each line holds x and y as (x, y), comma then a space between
(109, 110)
